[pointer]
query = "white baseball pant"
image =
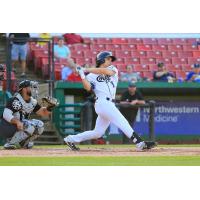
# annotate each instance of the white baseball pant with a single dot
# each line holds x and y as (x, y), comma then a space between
(107, 113)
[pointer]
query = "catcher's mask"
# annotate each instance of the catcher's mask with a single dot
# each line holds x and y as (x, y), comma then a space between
(100, 59)
(32, 84)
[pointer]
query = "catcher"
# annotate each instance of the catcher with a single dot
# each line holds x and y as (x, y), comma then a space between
(15, 125)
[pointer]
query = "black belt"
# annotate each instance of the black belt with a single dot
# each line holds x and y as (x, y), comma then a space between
(109, 99)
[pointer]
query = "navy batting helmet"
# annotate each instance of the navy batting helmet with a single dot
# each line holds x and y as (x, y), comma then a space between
(100, 59)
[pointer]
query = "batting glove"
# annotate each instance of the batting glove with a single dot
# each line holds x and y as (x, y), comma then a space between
(80, 71)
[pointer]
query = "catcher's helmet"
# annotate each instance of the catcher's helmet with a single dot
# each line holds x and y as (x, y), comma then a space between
(100, 59)
(24, 84)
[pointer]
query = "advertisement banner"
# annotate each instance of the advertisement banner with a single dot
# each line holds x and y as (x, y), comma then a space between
(171, 118)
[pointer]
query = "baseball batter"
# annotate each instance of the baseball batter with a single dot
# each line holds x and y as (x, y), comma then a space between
(103, 81)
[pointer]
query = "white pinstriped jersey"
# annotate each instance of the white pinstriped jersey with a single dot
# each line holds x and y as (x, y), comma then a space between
(104, 85)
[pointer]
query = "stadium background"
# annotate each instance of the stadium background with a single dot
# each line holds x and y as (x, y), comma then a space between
(178, 51)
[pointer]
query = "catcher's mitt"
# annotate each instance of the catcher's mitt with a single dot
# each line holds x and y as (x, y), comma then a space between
(50, 102)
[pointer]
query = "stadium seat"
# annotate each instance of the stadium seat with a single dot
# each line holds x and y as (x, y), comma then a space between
(77, 54)
(164, 60)
(190, 47)
(173, 68)
(90, 40)
(179, 61)
(185, 54)
(72, 47)
(38, 55)
(159, 47)
(113, 47)
(176, 47)
(144, 47)
(122, 67)
(119, 61)
(119, 41)
(80, 47)
(90, 54)
(196, 54)
(181, 74)
(193, 40)
(154, 54)
(147, 61)
(191, 61)
(135, 41)
(141, 68)
(132, 61)
(153, 68)
(138, 54)
(98, 47)
(179, 41)
(150, 41)
(187, 67)
(82, 61)
(169, 54)
(128, 47)
(104, 41)
(148, 75)
(58, 69)
(165, 41)
(123, 54)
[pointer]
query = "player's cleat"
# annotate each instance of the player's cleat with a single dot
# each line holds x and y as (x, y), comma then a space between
(145, 145)
(140, 146)
(9, 146)
(29, 145)
(72, 146)
(150, 144)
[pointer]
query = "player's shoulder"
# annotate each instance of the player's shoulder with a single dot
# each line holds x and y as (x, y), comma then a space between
(91, 75)
(14, 104)
(113, 68)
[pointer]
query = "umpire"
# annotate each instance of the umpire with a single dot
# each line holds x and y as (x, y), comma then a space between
(132, 96)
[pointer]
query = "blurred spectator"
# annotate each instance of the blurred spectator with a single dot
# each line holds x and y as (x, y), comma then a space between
(61, 50)
(74, 77)
(44, 36)
(19, 50)
(162, 74)
(132, 96)
(194, 76)
(65, 72)
(72, 38)
(129, 75)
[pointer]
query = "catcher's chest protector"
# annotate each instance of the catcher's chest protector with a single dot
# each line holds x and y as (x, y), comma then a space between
(27, 108)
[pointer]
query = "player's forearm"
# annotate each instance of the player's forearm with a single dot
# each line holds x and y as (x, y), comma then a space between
(159, 74)
(141, 102)
(14, 121)
(86, 84)
(100, 71)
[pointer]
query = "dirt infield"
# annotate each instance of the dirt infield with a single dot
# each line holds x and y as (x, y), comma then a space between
(108, 151)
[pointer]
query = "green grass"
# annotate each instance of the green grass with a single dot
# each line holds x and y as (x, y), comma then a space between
(102, 161)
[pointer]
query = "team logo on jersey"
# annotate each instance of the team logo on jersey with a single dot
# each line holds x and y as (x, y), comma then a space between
(17, 105)
(102, 78)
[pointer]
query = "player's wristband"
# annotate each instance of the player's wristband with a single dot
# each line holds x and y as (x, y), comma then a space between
(82, 75)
